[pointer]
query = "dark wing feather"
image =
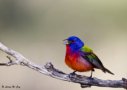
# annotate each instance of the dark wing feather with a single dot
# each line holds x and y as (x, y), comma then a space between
(88, 55)
(94, 60)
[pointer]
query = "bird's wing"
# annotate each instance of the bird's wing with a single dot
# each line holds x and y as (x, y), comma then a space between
(88, 54)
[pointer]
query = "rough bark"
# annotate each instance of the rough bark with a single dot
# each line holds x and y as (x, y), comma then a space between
(49, 70)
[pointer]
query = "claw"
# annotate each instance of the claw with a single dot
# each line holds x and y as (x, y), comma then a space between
(90, 78)
(73, 73)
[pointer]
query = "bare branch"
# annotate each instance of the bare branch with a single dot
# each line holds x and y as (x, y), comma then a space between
(49, 70)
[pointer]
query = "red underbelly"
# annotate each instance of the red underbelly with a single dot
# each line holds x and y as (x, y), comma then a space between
(78, 63)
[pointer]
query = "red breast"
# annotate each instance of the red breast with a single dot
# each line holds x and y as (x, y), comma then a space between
(76, 62)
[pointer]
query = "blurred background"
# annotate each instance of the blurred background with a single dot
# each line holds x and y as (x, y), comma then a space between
(36, 28)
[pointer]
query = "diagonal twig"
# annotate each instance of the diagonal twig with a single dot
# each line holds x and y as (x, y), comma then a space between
(49, 70)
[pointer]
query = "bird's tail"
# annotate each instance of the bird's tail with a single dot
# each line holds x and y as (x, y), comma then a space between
(106, 70)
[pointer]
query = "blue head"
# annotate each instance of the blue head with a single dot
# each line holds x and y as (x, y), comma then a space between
(74, 42)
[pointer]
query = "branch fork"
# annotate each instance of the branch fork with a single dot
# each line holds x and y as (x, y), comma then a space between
(49, 70)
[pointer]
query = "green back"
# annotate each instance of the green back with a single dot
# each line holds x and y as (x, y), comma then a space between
(91, 57)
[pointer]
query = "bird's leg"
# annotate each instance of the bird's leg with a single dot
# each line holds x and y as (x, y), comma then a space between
(90, 78)
(73, 73)
(91, 74)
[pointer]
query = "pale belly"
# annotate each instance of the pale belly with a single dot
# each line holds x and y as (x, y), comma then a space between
(78, 63)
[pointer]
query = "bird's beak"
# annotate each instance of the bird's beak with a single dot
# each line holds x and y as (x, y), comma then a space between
(66, 42)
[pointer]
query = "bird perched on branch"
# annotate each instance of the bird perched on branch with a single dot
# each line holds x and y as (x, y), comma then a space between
(80, 57)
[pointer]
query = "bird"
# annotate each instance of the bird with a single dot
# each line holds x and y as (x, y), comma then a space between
(81, 58)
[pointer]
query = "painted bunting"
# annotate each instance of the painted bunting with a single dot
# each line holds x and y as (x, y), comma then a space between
(80, 57)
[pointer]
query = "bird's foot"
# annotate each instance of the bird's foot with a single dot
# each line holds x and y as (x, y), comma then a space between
(72, 74)
(89, 83)
(90, 78)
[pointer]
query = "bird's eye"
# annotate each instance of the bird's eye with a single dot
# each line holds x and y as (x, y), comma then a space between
(73, 41)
